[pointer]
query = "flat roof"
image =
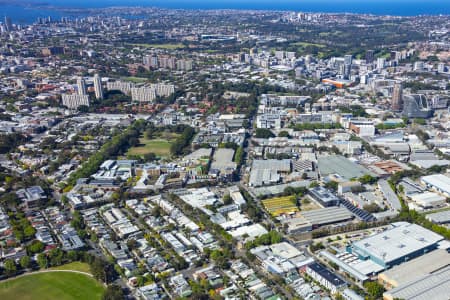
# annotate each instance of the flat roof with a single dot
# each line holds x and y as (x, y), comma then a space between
(427, 197)
(411, 270)
(285, 250)
(434, 286)
(389, 194)
(327, 274)
(439, 181)
(404, 238)
(347, 268)
(337, 164)
(283, 165)
(439, 217)
(333, 214)
(223, 159)
(324, 194)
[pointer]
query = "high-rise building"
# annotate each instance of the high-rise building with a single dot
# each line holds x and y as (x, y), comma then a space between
(124, 87)
(416, 106)
(151, 61)
(163, 90)
(48, 51)
(347, 70)
(81, 84)
(348, 59)
(369, 56)
(8, 24)
(167, 62)
(143, 94)
(397, 97)
(74, 101)
(418, 66)
(184, 65)
(380, 63)
(98, 87)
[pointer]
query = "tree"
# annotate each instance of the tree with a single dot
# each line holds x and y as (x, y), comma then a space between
(56, 257)
(98, 269)
(150, 156)
(113, 292)
(263, 133)
(29, 232)
(367, 179)
(72, 255)
(227, 199)
(25, 262)
(10, 267)
(132, 244)
(374, 290)
(42, 261)
(102, 270)
(35, 247)
(283, 134)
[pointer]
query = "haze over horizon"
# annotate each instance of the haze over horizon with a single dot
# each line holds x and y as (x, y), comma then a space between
(394, 7)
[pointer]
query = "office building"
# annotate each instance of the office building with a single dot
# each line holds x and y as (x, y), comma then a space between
(81, 85)
(380, 63)
(416, 106)
(98, 87)
(397, 97)
(369, 56)
(348, 59)
(8, 24)
(324, 196)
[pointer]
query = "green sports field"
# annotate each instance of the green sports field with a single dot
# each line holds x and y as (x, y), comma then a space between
(161, 46)
(158, 146)
(50, 286)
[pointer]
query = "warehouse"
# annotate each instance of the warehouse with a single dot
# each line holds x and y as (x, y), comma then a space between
(429, 287)
(397, 245)
(345, 168)
(442, 217)
(223, 162)
(416, 268)
(389, 195)
(428, 199)
(266, 172)
(438, 182)
(326, 216)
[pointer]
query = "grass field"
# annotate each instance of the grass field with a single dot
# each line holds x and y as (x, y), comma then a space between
(49, 286)
(161, 46)
(305, 44)
(76, 266)
(160, 147)
(134, 79)
(280, 205)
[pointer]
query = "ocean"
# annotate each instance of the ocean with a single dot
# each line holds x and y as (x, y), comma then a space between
(26, 13)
